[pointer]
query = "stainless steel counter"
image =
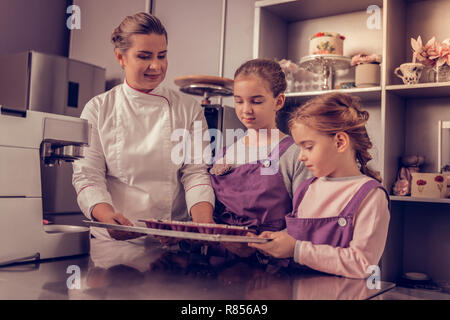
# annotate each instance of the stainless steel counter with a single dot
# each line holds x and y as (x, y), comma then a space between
(142, 269)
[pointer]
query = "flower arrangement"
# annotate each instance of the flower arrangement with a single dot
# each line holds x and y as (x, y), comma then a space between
(433, 53)
(363, 58)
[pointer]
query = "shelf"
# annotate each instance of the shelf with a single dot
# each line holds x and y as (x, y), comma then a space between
(365, 94)
(291, 10)
(421, 90)
(415, 199)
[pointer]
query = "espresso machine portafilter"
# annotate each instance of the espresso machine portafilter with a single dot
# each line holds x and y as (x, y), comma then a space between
(30, 140)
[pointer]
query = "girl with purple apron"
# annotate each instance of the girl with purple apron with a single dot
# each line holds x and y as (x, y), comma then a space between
(245, 197)
(257, 193)
(334, 231)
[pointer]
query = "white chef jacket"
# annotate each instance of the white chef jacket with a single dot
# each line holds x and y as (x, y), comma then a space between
(128, 163)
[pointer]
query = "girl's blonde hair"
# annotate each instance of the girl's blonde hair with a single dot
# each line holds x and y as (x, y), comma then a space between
(339, 112)
(139, 23)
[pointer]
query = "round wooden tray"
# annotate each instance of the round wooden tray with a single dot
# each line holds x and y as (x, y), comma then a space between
(184, 81)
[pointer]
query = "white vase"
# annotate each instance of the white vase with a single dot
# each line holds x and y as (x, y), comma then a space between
(367, 75)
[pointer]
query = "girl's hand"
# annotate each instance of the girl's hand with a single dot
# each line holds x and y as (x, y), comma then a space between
(282, 245)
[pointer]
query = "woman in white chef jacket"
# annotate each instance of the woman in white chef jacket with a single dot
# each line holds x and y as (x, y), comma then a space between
(127, 173)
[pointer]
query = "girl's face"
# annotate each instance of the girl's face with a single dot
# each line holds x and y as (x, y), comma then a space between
(254, 102)
(319, 151)
(145, 63)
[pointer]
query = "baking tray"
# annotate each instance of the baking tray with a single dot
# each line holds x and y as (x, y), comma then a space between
(190, 226)
(179, 234)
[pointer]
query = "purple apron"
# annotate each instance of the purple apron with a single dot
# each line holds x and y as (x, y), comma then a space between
(334, 231)
(245, 197)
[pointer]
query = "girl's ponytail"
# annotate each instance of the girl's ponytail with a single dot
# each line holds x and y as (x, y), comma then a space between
(363, 157)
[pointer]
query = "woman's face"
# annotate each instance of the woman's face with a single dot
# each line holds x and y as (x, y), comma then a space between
(145, 62)
(254, 102)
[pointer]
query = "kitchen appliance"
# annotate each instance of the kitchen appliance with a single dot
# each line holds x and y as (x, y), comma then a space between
(30, 140)
(41, 82)
(217, 116)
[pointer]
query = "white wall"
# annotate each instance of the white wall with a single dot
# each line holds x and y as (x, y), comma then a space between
(194, 33)
(194, 29)
(92, 42)
(38, 25)
(238, 34)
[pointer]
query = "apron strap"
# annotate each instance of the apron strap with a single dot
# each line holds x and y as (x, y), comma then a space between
(360, 195)
(281, 148)
(300, 193)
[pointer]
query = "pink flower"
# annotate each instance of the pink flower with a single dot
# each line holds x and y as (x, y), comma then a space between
(444, 53)
(418, 49)
(421, 182)
(432, 53)
(439, 179)
(422, 53)
(432, 48)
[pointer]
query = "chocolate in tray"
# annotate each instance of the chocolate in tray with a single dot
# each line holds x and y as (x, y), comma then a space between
(189, 226)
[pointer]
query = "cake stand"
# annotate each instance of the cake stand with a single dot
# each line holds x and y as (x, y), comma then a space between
(326, 65)
(206, 86)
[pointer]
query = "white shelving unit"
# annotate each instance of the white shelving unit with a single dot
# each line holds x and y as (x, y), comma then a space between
(404, 117)
(365, 94)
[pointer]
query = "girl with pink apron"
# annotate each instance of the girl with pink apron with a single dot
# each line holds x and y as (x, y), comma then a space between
(340, 220)
(335, 231)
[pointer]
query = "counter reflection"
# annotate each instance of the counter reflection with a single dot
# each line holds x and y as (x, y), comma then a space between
(143, 269)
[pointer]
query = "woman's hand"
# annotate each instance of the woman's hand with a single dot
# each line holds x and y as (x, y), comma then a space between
(282, 245)
(202, 212)
(103, 212)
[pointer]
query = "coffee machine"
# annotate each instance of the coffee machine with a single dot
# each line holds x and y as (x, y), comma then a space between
(29, 141)
(43, 82)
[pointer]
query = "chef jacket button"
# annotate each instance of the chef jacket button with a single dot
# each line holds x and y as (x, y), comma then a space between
(266, 163)
(342, 222)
